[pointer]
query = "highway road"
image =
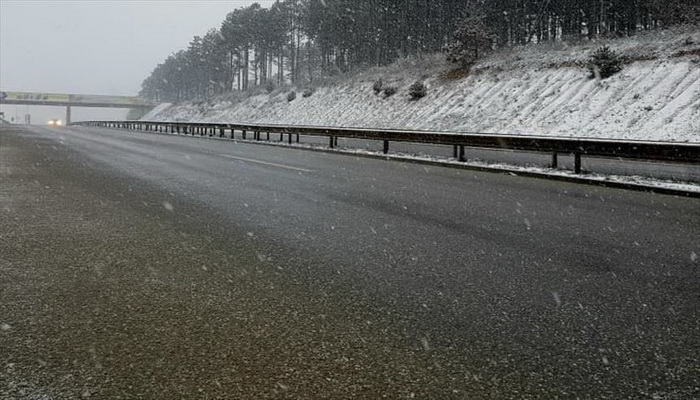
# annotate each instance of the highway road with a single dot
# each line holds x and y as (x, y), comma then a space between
(135, 265)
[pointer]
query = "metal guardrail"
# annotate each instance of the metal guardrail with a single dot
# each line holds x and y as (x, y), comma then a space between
(639, 150)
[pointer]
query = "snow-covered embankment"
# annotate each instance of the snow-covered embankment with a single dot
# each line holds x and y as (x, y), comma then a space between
(655, 99)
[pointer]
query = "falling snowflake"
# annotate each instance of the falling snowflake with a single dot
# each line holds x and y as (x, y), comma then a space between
(557, 298)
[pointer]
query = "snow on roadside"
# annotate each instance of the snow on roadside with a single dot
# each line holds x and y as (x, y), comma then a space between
(521, 92)
(635, 180)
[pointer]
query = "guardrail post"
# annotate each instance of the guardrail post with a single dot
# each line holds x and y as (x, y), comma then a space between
(244, 134)
(297, 138)
(281, 137)
(268, 136)
(454, 152)
(332, 142)
(461, 153)
(221, 132)
(577, 163)
(386, 146)
(555, 160)
(290, 138)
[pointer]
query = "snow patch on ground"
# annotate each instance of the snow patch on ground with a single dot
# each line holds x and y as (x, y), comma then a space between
(159, 109)
(524, 91)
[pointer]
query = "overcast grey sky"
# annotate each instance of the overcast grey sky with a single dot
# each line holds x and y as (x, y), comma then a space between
(96, 46)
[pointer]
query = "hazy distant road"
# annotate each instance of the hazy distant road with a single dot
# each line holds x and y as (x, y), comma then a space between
(149, 266)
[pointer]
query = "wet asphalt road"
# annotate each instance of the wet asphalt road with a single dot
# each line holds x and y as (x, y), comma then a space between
(159, 267)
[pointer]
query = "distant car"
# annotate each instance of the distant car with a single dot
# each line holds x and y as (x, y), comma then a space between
(55, 122)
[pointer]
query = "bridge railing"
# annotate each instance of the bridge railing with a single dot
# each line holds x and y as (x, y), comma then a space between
(669, 152)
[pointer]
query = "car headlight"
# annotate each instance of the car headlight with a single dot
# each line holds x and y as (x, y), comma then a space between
(52, 122)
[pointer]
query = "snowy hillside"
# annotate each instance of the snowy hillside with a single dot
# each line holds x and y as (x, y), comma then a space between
(531, 90)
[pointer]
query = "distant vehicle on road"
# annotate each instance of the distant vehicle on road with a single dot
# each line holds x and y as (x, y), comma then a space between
(55, 122)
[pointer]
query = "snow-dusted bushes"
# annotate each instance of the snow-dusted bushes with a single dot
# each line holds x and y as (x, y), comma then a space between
(389, 91)
(418, 90)
(307, 93)
(377, 86)
(604, 63)
(291, 96)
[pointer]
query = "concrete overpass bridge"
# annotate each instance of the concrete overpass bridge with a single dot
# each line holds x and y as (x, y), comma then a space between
(72, 100)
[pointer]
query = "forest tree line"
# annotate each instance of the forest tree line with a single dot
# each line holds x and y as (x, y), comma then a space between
(298, 41)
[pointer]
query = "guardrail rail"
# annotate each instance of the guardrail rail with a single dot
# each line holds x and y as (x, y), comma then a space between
(669, 152)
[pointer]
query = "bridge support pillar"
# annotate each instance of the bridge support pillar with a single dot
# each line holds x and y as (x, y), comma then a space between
(67, 115)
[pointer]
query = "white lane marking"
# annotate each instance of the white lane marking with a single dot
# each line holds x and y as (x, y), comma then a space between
(266, 163)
